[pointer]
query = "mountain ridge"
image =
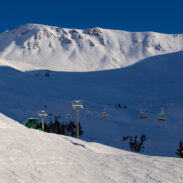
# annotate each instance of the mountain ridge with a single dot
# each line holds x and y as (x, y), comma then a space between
(152, 82)
(93, 49)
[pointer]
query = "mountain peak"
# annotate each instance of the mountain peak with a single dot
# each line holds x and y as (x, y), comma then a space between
(56, 48)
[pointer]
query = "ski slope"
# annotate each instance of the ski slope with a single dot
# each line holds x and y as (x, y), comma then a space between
(152, 83)
(28, 155)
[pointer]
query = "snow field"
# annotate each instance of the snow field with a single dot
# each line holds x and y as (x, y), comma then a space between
(149, 73)
(28, 155)
(41, 47)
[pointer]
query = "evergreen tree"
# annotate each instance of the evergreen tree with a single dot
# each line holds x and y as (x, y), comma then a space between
(62, 128)
(125, 138)
(131, 144)
(180, 150)
(135, 144)
(57, 126)
(80, 130)
(51, 126)
(71, 128)
(46, 127)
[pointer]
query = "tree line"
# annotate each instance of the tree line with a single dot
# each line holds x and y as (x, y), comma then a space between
(62, 128)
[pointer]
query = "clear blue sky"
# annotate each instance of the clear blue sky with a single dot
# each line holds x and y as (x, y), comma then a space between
(132, 15)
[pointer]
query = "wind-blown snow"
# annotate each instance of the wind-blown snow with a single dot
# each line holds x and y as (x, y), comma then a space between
(28, 155)
(34, 47)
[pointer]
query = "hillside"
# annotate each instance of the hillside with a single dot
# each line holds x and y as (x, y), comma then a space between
(37, 47)
(153, 82)
(35, 76)
(28, 155)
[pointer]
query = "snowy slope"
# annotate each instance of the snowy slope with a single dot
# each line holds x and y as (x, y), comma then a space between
(153, 78)
(33, 156)
(34, 47)
(152, 82)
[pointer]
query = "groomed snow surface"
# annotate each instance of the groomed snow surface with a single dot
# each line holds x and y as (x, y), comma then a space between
(28, 156)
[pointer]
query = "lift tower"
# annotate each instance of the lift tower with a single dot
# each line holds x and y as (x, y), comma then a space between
(77, 105)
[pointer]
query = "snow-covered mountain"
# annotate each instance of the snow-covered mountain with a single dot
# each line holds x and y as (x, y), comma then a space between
(28, 155)
(33, 61)
(35, 46)
(153, 78)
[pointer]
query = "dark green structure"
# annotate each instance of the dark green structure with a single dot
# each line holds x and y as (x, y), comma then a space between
(33, 123)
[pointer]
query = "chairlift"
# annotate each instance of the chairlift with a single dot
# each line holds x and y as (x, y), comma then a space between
(88, 113)
(77, 104)
(67, 116)
(104, 114)
(142, 114)
(161, 115)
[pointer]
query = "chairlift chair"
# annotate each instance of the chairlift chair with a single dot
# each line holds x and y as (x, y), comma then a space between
(88, 113)
(68, 115)
(104, 115)
(161, 116)
(142, 115)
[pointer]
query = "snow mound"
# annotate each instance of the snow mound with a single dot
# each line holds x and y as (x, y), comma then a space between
(54, 48)
(28, 155)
